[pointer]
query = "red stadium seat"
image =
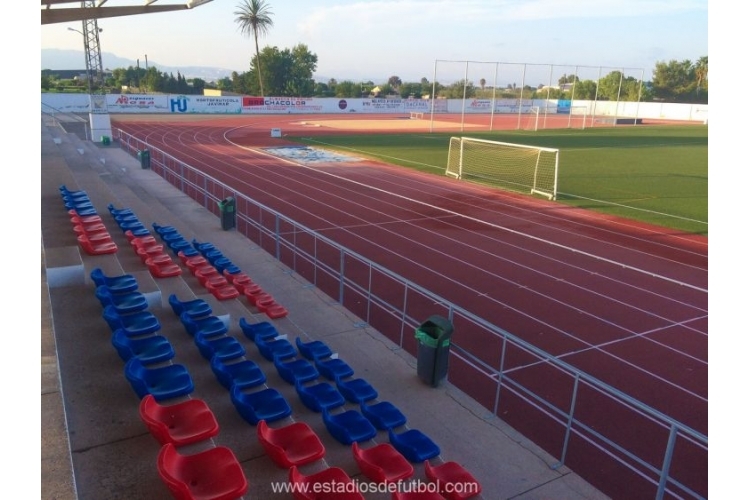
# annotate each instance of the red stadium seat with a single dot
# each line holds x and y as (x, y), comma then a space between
(294, 444)
(334, 479)
(382, 463)
(214, 474)
(452, 473)
(181, 423)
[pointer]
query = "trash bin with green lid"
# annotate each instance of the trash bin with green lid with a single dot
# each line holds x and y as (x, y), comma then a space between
(227, 213)
(433, 337)
(106, 140)
(145, 157)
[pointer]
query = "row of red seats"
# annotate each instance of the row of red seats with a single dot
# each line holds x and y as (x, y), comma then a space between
(226, 281)
(159, 263)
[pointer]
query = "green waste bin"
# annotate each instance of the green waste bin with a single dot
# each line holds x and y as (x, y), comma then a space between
(106, 140)
(145, 157)
(227, 213)
(433, 337)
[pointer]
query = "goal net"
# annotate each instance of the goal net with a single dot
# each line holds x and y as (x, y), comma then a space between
(541, 117)
(516, 167)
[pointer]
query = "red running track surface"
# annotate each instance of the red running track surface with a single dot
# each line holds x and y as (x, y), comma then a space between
(622, 301)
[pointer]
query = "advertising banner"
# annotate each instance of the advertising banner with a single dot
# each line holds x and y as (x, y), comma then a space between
(137, 103)
(202, 104)
(263, 105)
(378, 105)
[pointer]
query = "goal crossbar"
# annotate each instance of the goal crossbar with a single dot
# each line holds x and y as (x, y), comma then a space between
(516, 167)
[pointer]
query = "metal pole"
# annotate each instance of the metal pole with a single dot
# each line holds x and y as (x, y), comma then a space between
(520, 98)
(617, 103)
(494, 93)
(432, 103)
(463, 102)
(596, 95)
(572, 96)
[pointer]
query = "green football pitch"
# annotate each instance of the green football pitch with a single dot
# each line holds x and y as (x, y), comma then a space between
(654, 174)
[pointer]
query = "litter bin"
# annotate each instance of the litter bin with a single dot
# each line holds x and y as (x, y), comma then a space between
(106, 140)
(145, 157)
(227, 213)
(433, 337)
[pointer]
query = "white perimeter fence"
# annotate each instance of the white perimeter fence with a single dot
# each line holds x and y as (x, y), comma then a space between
(248, 105)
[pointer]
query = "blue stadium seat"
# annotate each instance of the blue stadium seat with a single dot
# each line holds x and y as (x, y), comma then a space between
(334, 368)
(244, 373)
(384, 415)
(123, 303)
(267, 404)
(319, 396)
(149, 349)
(117, 284)
(356, 390)
(293, 370)
(139, 323)
(264, 329)
(275, 347)
(163, 382)
(414, 445)
(195, 308)
(225, 347)
(349, 426)
(314, 349)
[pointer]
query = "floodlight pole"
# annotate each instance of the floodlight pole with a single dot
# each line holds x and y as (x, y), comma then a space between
(98, 114)
(92, 51)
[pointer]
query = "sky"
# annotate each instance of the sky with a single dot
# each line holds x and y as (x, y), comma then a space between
(373, 40)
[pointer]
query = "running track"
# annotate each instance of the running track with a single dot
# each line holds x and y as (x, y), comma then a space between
(622, 301)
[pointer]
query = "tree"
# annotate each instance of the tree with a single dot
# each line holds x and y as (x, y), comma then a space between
(411, 90)
(674, 81)
(456, 90)
(567, 79)
(300, 79)
(617, 87)
(224, 84)
(701, 74)
(198, 85)
(394, 82)
(482, 83)
(254, 18)
(348, 88)
(585, 89)
(287, 72)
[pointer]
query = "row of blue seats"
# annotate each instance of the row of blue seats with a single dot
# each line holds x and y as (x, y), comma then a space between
(133, 334)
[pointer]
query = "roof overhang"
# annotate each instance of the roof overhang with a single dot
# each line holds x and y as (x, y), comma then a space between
(60, 11)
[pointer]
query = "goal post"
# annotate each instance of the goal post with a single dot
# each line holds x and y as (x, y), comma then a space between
(516, 167)
(547, 117)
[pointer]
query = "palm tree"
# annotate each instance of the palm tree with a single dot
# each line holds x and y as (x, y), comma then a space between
(701, 73)
(254, 18)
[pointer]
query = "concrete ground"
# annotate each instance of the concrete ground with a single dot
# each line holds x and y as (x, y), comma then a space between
(94, 445)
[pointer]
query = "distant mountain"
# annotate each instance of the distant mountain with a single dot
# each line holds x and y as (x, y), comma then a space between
(75, 59)
(57, 59)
